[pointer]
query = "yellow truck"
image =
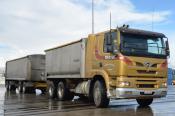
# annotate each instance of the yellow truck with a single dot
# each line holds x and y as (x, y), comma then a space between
(122, 63)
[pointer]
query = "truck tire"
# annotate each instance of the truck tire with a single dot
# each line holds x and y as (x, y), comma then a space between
(20, 88)
(7, 86)
(61, 91)
(144, 102)
(51, 90)
(24, 89)
(100, 95)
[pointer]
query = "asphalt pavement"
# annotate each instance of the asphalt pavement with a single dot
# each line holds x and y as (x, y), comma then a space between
(15, 104)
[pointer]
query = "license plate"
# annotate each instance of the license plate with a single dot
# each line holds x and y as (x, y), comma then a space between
(147, 92)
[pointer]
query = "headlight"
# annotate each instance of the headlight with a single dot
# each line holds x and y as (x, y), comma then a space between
(123, 84)
(164, 84)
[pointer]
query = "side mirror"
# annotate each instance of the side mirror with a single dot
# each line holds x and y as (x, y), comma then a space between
(167, 48)
(115, 49)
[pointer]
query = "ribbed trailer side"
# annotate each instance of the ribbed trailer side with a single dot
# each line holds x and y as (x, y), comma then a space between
(66, 61)
(37, 67)
(29, 68)
(18, 69)
(26, 74)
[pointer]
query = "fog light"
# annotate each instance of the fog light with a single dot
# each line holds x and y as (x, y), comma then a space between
(123, 84)
(164, 84)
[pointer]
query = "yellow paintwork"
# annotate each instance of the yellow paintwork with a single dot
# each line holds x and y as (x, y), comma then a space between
(40, 85)
(116, 70)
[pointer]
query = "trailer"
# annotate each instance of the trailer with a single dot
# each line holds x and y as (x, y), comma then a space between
(122, 63)
(26, 74)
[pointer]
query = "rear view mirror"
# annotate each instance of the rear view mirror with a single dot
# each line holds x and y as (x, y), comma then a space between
(167, 48)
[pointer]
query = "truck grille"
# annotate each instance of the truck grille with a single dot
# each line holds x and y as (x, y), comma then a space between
(139, 64)
(146, 72)
(145, 86)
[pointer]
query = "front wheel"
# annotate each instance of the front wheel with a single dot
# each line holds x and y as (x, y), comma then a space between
(144, 102)
(100, 95)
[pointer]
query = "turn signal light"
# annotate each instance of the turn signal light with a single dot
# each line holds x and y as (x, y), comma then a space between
(164, 84)
(164, 64)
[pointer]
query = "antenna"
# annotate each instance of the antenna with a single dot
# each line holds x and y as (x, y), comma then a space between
(92, 16)
(153, 20)
(110, 21)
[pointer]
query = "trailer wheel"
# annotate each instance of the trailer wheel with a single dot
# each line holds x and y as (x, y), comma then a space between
(144, 102)
(100, 95)
(20, 88)
(7, 86)
(61, 91)
(51, 90)
(24, 89)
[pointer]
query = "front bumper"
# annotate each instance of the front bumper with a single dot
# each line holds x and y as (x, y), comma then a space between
(129, 93)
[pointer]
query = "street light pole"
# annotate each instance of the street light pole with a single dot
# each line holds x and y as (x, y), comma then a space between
(92, 16)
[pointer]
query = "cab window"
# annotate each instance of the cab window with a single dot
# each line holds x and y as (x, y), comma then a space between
(108, 41)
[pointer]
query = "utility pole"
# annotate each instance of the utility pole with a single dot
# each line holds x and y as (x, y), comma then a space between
(110, 21)
(92, 16)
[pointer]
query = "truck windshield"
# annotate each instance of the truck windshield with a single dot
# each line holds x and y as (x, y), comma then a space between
(141, 45)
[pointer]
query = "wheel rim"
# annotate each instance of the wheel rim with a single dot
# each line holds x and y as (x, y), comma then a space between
(19, 88)
(97, 94)
(50, 91)
(60, 90)
(24, 89)
(9, 86)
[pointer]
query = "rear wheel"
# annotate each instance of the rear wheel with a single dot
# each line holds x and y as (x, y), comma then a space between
(20, 87)
(99, 94)
(51, 90)
(144, 102)
(63, 92)
(7, 86)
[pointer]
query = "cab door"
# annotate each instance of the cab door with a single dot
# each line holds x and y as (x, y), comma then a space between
(104, 58)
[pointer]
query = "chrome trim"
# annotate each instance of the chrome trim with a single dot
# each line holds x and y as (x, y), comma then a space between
(136, 93)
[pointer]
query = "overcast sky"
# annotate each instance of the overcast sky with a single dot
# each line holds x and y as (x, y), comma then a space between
(31, 26)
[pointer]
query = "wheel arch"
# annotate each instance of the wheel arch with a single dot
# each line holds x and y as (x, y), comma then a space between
(99, 75)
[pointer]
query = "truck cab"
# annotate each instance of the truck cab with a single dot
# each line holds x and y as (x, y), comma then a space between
(134, 62)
